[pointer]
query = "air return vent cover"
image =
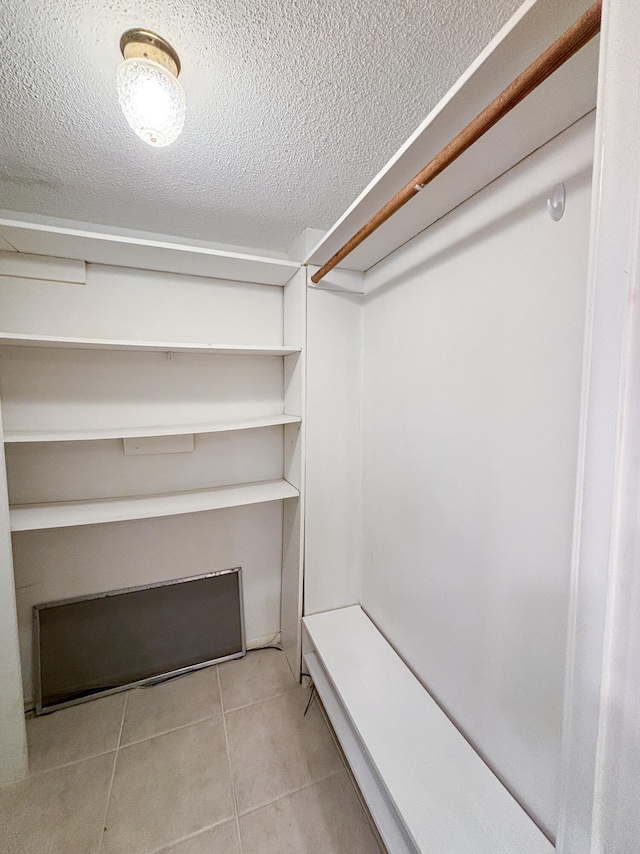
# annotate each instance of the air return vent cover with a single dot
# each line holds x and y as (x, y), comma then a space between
(96, 645)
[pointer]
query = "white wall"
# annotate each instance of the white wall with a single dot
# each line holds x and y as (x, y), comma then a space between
(333, 530)
(602, 720)
(13, 743)
(76, 389)
(118, 302)
(471, 382)
(65, 562)
(62, 389)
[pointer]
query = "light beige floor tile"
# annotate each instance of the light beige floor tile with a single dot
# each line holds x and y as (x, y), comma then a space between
(222, 839)
(168, 787)
(160, 708)
(274, 750)
(57, 812)
(260, 674)
(325, 818)
(75, 733)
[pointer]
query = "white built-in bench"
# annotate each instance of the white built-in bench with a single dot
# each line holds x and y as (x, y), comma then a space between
(426, 787)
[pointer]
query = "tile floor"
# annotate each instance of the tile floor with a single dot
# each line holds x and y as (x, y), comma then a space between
(221, 761)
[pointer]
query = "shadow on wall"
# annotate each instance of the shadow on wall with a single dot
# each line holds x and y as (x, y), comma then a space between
(447, 230)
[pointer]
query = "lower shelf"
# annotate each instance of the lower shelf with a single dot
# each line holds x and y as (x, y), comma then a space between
(426, 787)
(65, 514)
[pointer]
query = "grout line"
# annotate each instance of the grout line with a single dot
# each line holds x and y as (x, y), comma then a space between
(221, 695)
(124, 712)
(263, 699)
(189, 836)
(121, 746)
(167, 731)
(39, 772)
(233, 788)
(113, 772)
(293, 792)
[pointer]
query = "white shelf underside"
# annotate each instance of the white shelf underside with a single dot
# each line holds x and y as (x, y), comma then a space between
(568, 95)
(79, 435)
(23, 340)
(64, 514)
(447, 799)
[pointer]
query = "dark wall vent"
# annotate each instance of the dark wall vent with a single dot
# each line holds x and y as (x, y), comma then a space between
(96, 645)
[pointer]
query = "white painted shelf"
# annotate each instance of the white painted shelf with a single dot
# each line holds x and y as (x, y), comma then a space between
(65, 514)
(11, 436)
(43, 235)
(23, 340)
(445, 797)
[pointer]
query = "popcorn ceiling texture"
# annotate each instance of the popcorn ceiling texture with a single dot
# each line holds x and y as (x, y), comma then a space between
(292, 108)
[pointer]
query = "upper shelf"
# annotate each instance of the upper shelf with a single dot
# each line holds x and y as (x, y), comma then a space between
(100, 245)
(91, 434)
(565, 97)
(23, 340)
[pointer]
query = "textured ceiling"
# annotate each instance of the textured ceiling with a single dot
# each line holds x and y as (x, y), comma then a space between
(293, 106)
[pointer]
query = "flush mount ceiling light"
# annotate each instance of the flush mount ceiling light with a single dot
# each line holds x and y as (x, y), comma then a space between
(152, 99)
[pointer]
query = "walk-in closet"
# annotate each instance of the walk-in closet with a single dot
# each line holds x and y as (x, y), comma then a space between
(318, 504)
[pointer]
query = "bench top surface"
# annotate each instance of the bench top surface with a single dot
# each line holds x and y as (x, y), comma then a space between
(450, 800)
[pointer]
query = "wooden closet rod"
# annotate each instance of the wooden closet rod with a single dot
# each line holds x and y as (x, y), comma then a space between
(570, 42)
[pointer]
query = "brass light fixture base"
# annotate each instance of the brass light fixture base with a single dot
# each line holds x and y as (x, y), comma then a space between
(139, 43)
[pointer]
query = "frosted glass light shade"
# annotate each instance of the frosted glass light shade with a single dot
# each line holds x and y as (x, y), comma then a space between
(152, 100)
